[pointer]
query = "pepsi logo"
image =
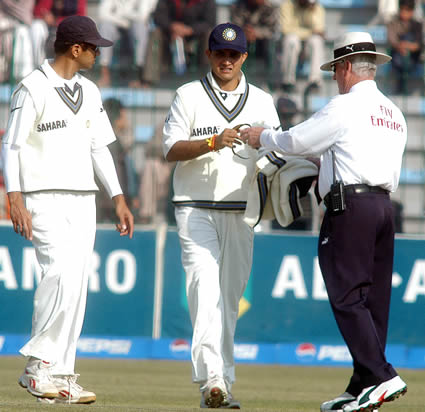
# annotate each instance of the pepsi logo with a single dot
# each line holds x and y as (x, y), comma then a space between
(305, 350)
(180, 345)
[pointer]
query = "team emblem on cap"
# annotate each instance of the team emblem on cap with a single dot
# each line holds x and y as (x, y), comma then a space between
(229, 34)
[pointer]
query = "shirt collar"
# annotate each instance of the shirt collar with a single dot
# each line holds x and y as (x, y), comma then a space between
(53, 76)
(240, 89)
(363, 85)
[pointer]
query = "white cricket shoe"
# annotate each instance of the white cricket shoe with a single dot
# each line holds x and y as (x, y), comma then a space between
(70, 391)
(37, 379)
(215, 394)
(374, 396)
(230, 402)
(337, 403)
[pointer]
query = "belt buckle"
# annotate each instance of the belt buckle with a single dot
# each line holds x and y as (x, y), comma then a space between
(236, 128)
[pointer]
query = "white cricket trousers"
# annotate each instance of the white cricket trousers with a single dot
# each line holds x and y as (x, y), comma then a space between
(217, 258)
(292, 46)
(139, 31)
(64, 227)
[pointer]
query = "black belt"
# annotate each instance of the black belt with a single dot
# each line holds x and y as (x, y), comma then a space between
(359, 188)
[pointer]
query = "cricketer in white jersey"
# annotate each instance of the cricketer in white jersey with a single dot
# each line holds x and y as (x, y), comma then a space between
(56, 136)
(210, 193)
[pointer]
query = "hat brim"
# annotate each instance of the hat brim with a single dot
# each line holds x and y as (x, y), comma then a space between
(381, 58)
(229, 47)
(101, 42)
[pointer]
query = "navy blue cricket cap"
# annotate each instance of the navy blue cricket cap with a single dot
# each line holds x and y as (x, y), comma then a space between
(227, 36)
(80, 29)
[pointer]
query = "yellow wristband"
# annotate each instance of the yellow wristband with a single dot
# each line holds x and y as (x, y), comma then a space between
(211, 142)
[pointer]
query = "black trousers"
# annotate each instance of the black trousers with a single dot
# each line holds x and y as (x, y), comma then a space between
(356, 250)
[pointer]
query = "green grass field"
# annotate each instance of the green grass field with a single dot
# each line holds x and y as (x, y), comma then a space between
(134, 385)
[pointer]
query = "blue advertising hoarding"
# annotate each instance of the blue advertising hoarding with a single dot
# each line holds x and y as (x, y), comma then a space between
(284, 315)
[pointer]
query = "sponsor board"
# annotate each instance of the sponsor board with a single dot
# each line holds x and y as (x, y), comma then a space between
(285, 300)
(246, 352)
(334, 353)
(322, 354)
(305, 353)
(180, 345)
(88, 346)
(180, 349)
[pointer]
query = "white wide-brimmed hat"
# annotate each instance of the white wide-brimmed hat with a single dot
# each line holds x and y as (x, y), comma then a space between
(355, 43)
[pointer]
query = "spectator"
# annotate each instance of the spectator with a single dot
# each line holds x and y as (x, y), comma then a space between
(259, 20)
(15, 39)
(187, 22)
(387, 9)
(287, 110)
(405, 36)
(155, 183)
(127, 21)
(120, 150)
(303, 28)
(47, 15)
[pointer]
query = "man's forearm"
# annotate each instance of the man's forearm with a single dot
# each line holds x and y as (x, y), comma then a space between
(10, 157)
(187, 150)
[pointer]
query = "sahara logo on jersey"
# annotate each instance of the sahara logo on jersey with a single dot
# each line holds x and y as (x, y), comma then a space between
(47, 127)
(205, 131)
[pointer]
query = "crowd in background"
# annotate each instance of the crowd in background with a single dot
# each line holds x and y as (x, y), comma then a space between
(157, 37)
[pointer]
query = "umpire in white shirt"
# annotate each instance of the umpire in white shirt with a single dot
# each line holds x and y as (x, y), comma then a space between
(360, 137)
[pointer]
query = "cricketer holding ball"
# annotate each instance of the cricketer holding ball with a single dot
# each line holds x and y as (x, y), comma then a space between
(210, 183)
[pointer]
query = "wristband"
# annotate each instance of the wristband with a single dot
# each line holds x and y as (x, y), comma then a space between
(211, 143)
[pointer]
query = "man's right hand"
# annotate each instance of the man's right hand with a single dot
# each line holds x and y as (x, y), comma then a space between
(227, 138)
(19, 215)
(178, 29)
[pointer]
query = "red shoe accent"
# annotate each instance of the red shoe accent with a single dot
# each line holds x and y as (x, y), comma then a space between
(382, 397)
(215, 392)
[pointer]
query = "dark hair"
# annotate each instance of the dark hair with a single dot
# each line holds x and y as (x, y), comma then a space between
(113, 108)
(407, 3)
(61, 47)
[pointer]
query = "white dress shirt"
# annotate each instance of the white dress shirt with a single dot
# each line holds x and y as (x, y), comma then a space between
(365, 129)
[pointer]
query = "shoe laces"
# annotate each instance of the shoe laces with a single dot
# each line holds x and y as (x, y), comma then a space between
(71, 381)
